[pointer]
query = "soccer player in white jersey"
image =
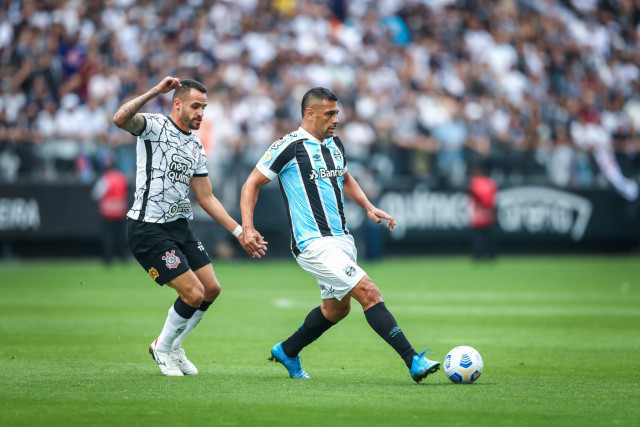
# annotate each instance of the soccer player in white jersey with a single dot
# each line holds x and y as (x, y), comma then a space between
(170, 161)
(312, 169)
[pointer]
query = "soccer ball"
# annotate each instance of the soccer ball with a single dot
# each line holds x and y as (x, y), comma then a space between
(463, 365)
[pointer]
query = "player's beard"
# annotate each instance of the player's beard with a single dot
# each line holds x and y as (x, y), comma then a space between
(191, 122)
(328, 133)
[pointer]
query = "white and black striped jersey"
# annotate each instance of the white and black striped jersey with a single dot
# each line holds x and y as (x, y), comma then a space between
(311, 174)
(167, 158)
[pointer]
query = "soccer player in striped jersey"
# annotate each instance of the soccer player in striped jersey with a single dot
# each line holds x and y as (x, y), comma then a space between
(312, 169)
(170, 161)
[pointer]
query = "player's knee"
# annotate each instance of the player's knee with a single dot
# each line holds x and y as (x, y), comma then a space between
(212, 292)
(335, 313)
(342, 312)
(194, 296)
(370, 295)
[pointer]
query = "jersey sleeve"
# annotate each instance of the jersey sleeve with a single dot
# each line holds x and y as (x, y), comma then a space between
(150, 122)
(279, 154)
(201, 166)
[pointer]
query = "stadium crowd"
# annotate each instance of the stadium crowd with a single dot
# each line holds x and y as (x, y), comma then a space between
(538, 91)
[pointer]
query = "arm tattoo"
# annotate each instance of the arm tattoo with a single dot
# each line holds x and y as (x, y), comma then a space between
(134, 124)
(127, 118)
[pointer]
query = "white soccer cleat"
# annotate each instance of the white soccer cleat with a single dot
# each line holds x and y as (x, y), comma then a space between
(184, 364)
(166, 360)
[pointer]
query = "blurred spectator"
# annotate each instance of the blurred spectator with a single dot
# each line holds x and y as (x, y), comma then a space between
(482, 197)
(111, 193)
(553, 80)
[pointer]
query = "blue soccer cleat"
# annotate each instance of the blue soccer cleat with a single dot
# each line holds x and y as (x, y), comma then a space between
(291, 363)
(421, 367)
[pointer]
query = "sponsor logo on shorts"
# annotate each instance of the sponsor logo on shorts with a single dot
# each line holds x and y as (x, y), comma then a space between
(350, 271)
(328, 289)
(154, 273)
(172, 259)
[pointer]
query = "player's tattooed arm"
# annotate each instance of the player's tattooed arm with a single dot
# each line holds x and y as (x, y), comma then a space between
(127, 116)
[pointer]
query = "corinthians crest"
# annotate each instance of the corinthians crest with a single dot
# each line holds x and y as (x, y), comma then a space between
(171, 259)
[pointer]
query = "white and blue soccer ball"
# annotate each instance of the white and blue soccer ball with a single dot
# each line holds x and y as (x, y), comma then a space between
(463, 365)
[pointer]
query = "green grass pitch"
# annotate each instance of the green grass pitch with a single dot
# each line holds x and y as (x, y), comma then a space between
(560, 338)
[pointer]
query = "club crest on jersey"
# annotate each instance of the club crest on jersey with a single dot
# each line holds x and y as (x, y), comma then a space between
(172, 259)
(193, 152)
(350, 271)
(154, 273)
(337, 155)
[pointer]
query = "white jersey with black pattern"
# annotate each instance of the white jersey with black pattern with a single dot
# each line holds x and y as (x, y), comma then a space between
(167, 158)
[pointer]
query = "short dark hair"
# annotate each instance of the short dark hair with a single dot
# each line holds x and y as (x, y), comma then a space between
(316, 94)
(186, 86)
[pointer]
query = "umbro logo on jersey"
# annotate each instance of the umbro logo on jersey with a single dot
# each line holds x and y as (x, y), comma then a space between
(326, 173)
(317, 157)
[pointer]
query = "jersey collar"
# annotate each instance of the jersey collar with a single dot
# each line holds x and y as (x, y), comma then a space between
(177, 127)
(311, 137)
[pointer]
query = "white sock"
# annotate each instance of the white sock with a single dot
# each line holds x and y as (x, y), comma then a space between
(173, 327)
(193, 322)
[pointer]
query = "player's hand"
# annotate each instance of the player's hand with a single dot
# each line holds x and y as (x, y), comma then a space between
(378, 215)
(168, 84)
(253, 242)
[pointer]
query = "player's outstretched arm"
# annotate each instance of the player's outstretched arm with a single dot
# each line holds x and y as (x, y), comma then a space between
(354, 193)
(248, 199)
(127, 116)
(201, 187)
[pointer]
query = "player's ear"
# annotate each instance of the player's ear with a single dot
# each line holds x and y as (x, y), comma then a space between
(308, 113)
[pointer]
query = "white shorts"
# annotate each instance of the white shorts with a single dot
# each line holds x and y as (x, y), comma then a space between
(333, 261)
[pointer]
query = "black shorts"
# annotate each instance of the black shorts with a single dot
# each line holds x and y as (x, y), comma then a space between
(166, 250)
